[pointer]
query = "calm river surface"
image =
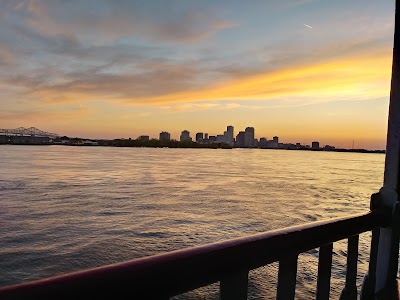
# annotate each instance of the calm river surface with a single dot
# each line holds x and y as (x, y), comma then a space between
(65, 209)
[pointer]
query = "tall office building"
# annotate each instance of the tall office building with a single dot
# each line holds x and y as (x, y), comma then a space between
(229, 131)
(199, 137)
(165, 136)
(275, 142)
(249, 137)
(185, 136)
(240, 139)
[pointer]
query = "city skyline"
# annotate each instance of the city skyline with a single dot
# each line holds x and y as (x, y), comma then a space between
(352, 144)
(302, 70)
(244, 139)
(187, 135)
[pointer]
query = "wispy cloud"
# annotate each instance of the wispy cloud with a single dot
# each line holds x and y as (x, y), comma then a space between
(72, 63)
(342, 78)
(352, 75)
(119, 19)
(347, 69)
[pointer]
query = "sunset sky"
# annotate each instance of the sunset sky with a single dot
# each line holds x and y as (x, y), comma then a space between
(303, 70)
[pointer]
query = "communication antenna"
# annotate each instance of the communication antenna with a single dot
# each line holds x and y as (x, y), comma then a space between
(353, 144)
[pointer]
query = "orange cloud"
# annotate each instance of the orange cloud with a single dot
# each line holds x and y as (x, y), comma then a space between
(362, 76)
(365, 76)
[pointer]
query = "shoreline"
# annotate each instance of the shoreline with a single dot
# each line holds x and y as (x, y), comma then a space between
(200, 146)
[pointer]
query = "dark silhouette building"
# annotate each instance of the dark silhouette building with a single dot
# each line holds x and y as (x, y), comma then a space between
(240, 139)
(228, 134)
(249, 137)
(212, 139)
(199, 137)
(263, 143)
(165, 136)
(185, 136)
(315, 145)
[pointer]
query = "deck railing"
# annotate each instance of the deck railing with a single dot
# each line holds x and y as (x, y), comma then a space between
(165, 275)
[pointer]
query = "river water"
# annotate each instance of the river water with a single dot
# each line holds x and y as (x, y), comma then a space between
(64, 209)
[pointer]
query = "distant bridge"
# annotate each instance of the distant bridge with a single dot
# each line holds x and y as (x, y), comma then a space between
(32, 131)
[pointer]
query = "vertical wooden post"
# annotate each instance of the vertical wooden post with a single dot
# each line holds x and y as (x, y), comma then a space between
(368, 286)
(324, 272)
(287, 278)
(388, 248)
(234, 287)
(350, 290)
